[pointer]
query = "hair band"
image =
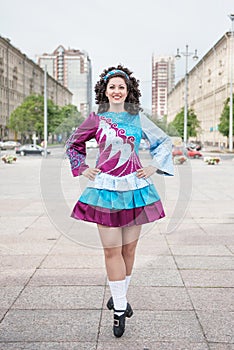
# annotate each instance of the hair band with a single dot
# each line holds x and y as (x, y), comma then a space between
(113, 72)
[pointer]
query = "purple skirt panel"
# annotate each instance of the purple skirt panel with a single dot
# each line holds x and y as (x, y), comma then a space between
(118, 218)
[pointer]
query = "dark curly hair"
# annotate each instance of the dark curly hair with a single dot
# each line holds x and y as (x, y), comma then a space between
(131, 104)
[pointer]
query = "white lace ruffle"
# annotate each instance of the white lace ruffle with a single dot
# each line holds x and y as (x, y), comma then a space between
(114, 183)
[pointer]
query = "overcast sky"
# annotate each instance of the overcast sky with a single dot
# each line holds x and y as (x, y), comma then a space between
(112, 32)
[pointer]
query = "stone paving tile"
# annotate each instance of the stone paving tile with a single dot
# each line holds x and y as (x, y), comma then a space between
(2, 313)
(48, 346)
(148, 345)
(26, 248)
(81, 231)
(73, 262)
(152, 249)
(43, 222)
(15, 277)
(8, 206)
(66, 277)
(157, 298)
(212, 220)
(15, 225)
(217, 325)
(41, 233)
(68, 247)
(85, 237)
(22, 261)
(156, 326)
(60, 297)
(156, 278)
(8, 296)
(154, 262)
(182, 232)
(200, 250)
(221, 346)
(218, 228)
(50, 326)
(212, 298)
(200, 239)
(208, 278)
(205, 262)
(152, 233)
(35, 208)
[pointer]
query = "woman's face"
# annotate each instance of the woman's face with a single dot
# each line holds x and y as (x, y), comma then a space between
(116, 90)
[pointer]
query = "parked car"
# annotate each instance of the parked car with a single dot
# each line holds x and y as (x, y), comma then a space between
(9, 144)
(194, 146)
(91, 143)
(193, 153)
(30, 149)
(190, 153)
(178, 151)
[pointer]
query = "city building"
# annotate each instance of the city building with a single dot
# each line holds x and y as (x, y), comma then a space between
(19, 78)
(72, 68)
(208, 88)
(163, 80)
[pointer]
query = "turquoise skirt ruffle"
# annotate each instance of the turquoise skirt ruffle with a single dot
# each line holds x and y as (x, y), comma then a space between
(120, 199)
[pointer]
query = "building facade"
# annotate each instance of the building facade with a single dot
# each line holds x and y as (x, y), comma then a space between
(72, 68)
(163, 81)
(208, 88)
(19, 78)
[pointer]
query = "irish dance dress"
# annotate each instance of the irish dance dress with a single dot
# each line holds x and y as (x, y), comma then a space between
(117, 197)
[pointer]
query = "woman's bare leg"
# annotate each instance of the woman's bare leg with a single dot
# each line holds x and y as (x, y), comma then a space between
(130, 236)
(111, 238)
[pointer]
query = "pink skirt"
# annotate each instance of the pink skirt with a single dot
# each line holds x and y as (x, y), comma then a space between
(118, 218)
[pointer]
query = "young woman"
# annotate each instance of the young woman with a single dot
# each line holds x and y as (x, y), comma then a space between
(120, 196)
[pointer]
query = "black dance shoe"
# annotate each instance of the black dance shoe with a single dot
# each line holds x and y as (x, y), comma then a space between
(119, 324)
(128, 312)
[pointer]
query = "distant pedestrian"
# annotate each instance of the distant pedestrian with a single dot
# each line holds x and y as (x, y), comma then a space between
(120, 195)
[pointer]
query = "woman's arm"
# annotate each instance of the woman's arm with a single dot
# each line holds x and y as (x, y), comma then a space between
(75, 145)
(160, 147)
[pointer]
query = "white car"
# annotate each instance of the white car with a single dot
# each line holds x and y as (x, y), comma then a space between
(9, 144)
(91, 143)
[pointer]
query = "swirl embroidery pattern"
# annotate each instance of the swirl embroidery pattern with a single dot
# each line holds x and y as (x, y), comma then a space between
(117, 155)
(75, 158)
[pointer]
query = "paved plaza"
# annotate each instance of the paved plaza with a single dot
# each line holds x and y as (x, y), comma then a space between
(53, 287)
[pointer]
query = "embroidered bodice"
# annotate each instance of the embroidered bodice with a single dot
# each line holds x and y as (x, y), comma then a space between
(118, 136)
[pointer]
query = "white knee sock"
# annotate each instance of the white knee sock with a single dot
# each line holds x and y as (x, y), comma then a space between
(118, 292)
(127, 281)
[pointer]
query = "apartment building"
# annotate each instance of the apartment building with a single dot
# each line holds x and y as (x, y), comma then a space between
(72, 68)
(163, 80)
(208, 88)
(19, 78)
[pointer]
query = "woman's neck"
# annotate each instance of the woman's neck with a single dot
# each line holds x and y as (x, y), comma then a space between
(116, 108)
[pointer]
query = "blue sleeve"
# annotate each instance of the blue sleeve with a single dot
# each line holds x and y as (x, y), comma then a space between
(160, 146)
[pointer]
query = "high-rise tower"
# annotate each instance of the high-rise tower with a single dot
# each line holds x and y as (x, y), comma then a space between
(163, 80)
(72, 68)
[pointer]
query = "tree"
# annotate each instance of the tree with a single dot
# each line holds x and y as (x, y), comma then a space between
(161, 123)
(224, 119)
(70, 118)
(28, 118)
(176, 127)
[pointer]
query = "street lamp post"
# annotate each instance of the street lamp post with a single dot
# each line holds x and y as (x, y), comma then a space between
(231, 87)
(195, 57)
(45, 112)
